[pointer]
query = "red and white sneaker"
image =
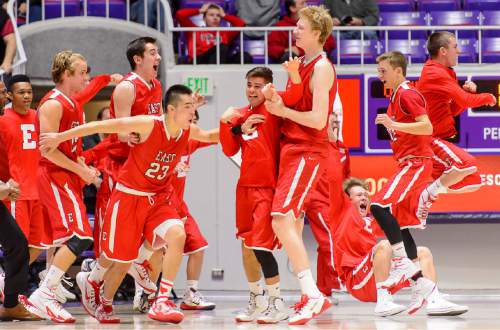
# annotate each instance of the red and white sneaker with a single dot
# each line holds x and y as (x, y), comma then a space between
(194, 300)
(44, 299)
(308, 308)
(421, 291)
(105, 314)
(425, 201)
(29, 306)
(90, 292)
(164, 310)
(140, 273)
(402, 269)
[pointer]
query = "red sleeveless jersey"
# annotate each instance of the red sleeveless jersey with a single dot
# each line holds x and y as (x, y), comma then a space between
(407, 104)
(72, 117)
(296, 133)
(147, 101)
(151, 164)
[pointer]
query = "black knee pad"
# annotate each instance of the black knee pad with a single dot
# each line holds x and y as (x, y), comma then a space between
(77, 245)
(387, 223)
(267, 263)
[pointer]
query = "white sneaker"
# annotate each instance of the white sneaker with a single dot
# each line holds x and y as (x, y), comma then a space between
(387, 307)
(91, 292)
(275, 312)
(425, 201)
(256, 305)
(402, 269)
(88, 264)
(140, 273)
(443, 307)
(44, 299)
(421, 290)
(62, 294)
(142, 300)
(194, 300)
(308, 308)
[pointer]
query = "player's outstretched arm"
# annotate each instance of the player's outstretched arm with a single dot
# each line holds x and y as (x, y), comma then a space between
(322, 81)
(143, 125)
(198, 134)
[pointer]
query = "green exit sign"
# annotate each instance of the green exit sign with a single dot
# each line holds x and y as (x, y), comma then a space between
(203, 84)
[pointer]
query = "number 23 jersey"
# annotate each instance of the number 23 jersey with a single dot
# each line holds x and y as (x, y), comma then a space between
(150, 164)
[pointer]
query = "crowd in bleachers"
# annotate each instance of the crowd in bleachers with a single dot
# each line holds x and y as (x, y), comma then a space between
(238, 13)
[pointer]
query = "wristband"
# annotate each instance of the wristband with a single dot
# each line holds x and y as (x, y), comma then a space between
(236, 130)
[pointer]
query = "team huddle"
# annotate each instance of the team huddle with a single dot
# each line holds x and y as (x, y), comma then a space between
(293, 165)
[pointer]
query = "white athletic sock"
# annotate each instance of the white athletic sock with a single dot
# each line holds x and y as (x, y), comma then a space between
(273, 290)
(165, 287)
(191, 284)
(398, 250)
(436, 188)
(144, 254)
(307, 284)
(53, 277)
(255, 287)
(417, 263)
(97, 273)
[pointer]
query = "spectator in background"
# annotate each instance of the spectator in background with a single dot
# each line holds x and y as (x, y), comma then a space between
(206, 41)
(354, 13)
(277, 42)
(258, 13)
(138, 12)
(8, 45)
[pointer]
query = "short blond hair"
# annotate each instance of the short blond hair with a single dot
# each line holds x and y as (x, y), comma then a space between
(320, 20)
(396, 59)
(354, 182)
(64, 60)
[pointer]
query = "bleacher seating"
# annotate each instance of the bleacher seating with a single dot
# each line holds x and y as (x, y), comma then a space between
(199, 3)
(491, 50)
(404, 19)
(351, 51)
(256, 48)
(117, 8)
(414, 49)
(491, 18)
(53, 8)
(396, 5)
(458, 18)
(437, 5)
(481, 5)
(468, 50)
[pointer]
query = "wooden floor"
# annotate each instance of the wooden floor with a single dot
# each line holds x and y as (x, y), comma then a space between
(484, 313)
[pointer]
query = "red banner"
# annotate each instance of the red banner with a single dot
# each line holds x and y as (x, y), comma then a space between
(377, 169)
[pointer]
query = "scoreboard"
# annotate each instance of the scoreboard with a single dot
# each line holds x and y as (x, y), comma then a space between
(479, 134)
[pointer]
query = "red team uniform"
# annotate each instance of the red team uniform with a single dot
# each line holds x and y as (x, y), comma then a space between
(60, 190)
(414, 156)
(195, 241)
(19, 138)
(446, 99)
(303, 151)
(139, 204)
(317, 212)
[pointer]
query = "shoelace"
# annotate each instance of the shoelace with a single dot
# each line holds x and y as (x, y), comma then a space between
(252, 304)
(165, 302)
(303, 301)
(67, 280)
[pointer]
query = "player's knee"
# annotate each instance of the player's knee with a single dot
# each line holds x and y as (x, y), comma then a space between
(176, 235)
(77, 245)
(267, 263)
(424, 253)
(384, 247)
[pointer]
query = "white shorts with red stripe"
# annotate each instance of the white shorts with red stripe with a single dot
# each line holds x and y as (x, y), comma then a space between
(300, 169)
(401, 193)
(63, 208)
(448, 157)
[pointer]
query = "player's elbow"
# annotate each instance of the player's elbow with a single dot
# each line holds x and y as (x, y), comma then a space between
(428, 129)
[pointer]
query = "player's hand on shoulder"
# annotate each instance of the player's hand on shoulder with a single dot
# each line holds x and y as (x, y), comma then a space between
(230, 114)
(250, 124)
(48, 142)
(469, 86)
(116, 78)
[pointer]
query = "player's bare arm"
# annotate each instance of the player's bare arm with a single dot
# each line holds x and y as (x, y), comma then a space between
(321, 82)
(142, 125)
(123, 98)
(421, 126)
(198, 134)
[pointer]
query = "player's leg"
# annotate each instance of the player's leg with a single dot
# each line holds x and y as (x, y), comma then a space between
(144, 300)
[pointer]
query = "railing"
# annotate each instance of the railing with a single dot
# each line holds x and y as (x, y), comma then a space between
(20, 57)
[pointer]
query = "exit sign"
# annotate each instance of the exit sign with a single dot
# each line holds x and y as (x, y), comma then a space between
(204, 84)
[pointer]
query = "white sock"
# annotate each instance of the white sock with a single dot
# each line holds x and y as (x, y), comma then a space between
(398, 250)
(165, 287)
(53, 277)
(191, 284)
(144, 254)
(255, 287)
(273, 290)
(417, 263)
(436, 188)
(307, 284)
(97, 273)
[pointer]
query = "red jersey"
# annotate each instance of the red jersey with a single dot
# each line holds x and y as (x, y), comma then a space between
(259, 151)
(179, 180)
(296, 133)
(322, 191)
(206, 39)
(20, 138)
(407, 104)
(147, 101)
(150, 164)
(71, 117)
(445, 98)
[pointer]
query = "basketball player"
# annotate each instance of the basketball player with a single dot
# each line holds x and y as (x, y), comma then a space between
(455, 170)
(304, 149)
(396, 206)
(138, 206)
(60, 176)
